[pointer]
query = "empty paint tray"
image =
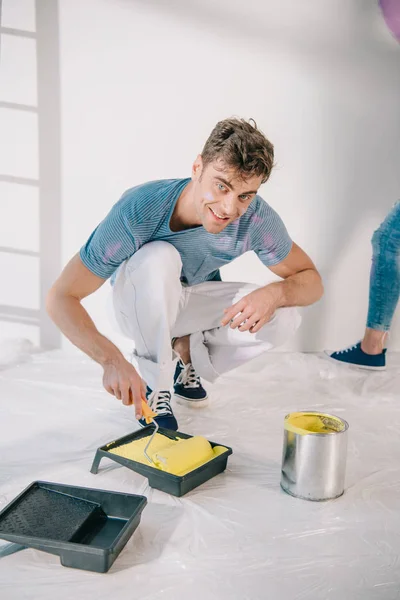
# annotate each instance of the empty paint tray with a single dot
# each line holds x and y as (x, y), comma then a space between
(87, 528)
(176, 485)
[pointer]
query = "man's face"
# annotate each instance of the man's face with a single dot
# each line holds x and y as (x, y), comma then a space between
(220, 194)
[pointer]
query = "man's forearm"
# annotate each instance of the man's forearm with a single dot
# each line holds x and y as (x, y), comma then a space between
(301, 289)
(72, 319)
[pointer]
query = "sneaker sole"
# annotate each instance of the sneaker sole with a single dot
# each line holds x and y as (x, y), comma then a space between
(191, 403)
(351, 365)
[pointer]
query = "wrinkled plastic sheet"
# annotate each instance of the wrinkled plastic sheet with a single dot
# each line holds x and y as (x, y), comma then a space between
(239, 536)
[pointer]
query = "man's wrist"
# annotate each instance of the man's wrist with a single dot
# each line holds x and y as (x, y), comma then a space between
(107, 353)
(277, 290)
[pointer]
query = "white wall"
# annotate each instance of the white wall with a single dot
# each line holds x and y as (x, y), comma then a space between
(19, 204)
(143, 83)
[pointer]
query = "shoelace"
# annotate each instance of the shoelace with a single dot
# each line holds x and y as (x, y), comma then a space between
(353, 347)
(160, 403)
(187, 377)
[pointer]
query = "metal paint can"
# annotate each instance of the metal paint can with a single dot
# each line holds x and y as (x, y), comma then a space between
(314, 455)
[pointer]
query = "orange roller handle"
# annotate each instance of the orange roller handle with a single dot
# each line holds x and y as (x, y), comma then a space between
(148, 414)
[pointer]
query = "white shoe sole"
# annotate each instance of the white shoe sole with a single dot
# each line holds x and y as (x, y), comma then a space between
(191, 403)
(351, 365)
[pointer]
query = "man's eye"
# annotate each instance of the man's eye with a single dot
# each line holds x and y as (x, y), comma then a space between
(220, 186)
(244, 197)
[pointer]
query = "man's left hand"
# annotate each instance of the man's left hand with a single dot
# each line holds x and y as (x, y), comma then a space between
(253, 311)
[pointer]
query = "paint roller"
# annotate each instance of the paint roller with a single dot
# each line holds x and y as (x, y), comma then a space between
(184, 456)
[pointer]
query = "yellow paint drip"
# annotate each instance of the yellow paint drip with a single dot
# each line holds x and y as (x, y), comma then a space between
(304, 423)
(178, 456)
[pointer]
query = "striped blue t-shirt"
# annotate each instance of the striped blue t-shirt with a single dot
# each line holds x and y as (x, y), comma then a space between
(143, 215)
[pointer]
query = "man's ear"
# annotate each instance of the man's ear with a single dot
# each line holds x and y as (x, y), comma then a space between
(197, 168)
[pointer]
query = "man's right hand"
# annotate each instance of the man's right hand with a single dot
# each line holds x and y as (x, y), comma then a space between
(123, 381)
(64, 306)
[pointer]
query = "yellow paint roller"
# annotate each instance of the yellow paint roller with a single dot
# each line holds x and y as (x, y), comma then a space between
(184, 456)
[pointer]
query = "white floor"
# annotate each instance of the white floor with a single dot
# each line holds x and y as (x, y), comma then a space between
(238, 536)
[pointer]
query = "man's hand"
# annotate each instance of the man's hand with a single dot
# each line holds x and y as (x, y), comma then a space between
(64, 307)
(123, 381)
(301, 286)
(254, 310)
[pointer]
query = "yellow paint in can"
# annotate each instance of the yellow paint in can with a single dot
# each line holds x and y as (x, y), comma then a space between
(305, 423)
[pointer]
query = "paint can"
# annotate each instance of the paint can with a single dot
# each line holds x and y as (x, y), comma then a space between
(314, 455)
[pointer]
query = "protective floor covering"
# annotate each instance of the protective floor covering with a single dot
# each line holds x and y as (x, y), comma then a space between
(238, 536)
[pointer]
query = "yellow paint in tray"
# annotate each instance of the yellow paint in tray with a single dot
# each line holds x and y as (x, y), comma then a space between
(171, 456)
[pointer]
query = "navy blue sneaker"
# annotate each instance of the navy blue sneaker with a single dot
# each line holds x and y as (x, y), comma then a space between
(187, 387)
(160, 403)
(356, 357)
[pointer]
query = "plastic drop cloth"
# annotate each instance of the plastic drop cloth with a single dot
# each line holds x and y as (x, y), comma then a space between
(238, 536)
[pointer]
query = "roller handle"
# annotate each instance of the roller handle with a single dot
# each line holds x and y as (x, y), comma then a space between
(148, 414)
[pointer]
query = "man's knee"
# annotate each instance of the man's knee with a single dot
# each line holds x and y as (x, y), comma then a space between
(387, 237)
(159, 260)
(282, 326)
(148, 284)
(385, 241)
(289, 322)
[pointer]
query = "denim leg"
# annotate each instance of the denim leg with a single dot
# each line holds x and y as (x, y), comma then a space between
(384, 288)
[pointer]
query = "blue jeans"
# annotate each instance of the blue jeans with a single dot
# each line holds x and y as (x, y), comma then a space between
(384, 287)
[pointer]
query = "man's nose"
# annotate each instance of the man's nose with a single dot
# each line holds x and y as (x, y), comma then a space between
(228, 205)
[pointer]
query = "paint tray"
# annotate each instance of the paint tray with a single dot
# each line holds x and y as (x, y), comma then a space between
(86, 527)
(175, 485)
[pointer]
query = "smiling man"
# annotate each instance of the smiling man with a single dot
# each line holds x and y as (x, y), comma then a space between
(162, 244)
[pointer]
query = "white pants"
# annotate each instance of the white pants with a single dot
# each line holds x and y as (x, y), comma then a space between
(151, 307)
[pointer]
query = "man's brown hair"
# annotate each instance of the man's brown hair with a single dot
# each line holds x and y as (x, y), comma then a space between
(241, 146)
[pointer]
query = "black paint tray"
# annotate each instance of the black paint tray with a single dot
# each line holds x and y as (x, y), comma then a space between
(171, 484)
(87, 528)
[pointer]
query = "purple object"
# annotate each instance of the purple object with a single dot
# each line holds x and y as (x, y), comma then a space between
(391, 14)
